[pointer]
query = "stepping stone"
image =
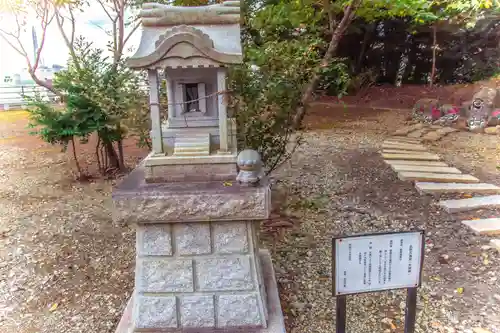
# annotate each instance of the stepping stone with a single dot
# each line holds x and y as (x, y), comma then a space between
(419, 133)
(390, 145)
(405, 130)
(436, 188)
(484, 226)
(463, 205)
(436, 135)
(402, 151)
(437, 177)
(421, 168)
(404, 139)
(412, 157)
(496, 244)
(423, 163)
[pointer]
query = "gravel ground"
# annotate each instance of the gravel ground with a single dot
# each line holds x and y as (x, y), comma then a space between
(65, 267)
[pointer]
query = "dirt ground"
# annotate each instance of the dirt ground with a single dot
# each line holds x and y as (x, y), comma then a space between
(388, 96)
(66, 267)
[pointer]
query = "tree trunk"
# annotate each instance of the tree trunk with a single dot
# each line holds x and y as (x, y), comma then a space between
(114, 161)
(364, 46)
(43, 83)
(434, 49)
(330, 52)
(121, 157)
(78, 168)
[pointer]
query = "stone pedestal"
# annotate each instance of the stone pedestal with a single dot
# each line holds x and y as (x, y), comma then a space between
(198, 267)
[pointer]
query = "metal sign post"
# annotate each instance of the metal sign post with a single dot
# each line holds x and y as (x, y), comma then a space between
(377, 262)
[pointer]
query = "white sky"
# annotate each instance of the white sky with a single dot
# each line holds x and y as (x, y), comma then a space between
(54, 50)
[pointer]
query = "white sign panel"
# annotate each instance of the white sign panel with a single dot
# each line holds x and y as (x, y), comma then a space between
(377, 262)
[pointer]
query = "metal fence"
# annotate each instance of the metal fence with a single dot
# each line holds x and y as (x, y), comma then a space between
(14, 96)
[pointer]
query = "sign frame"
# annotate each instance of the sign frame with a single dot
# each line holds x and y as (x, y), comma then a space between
(411, 298)
(334, 252)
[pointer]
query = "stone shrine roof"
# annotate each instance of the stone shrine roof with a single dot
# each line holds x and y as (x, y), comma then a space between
(172, 36)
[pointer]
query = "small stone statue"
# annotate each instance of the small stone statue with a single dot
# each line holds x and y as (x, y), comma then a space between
(250, 166)
(478, 115)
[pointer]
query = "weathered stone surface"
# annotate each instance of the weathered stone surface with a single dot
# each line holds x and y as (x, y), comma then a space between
(424, 187)
(484, 102)
(438, 134)
(492, 130)
(484, 226)
(224, 274)
(413, 147)
(446, 130)
(432, 136)
(404, 139)
(155, 312)
(138, 202)
(164, 275)
(154, 239)
(404, 131)
(412, 157)
(192, 238)
(275, 322)
(230, 237)
(197, 311)
(238, 310)
(462, 205)
(424, 163)
(419, 133)
(496, 244)
(401, 151)
(421, 168)
(437, 177)
(190, 172)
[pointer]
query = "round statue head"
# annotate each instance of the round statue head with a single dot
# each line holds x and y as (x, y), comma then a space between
(250, 166)
(477, 103)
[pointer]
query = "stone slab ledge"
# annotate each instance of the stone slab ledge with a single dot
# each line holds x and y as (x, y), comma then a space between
(136, 201)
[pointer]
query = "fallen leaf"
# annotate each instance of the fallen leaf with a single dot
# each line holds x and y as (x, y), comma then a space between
(460, 290)
(467, 196)
(53, 307)
(227, 184)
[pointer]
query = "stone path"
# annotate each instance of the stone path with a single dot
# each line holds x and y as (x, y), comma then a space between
(425, 132)
(413, 162)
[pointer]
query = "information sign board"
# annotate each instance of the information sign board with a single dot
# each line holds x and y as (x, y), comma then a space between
(377, 262)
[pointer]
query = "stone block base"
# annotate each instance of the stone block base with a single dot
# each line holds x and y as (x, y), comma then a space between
(275, 323)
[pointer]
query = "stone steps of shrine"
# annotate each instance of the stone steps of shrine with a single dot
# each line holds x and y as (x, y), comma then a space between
(193, 145)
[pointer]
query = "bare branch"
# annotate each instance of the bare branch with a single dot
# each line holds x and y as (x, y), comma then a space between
(46, 17)
(103, 5)
(19, 50)
(134, 29)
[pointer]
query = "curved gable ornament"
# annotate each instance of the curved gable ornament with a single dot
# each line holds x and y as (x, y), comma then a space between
(201, 43)
(160, 15)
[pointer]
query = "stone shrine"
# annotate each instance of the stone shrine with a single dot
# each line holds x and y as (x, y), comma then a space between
(198, 263)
